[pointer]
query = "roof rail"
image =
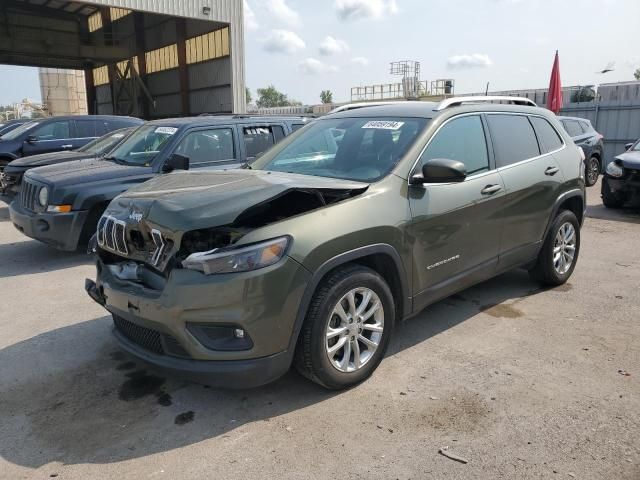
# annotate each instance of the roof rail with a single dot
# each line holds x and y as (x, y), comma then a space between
(354, 106)
(457, 101)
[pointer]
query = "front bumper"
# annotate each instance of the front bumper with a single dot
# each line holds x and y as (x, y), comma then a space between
(60, 230)
(263, 303)
(627, 188)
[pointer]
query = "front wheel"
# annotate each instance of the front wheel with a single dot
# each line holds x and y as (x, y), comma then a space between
(559, 252)
(347, 328)
(592, 171)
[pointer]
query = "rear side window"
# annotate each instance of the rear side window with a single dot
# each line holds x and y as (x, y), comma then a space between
(461, 139)
(572, 127)
(260, 138)
(513, 139)
(547, 135)
(90, 128)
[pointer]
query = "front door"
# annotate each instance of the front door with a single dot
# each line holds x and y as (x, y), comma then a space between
(53, 136)
(456, 227)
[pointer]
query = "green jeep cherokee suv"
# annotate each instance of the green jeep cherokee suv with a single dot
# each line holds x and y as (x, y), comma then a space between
(312, 253)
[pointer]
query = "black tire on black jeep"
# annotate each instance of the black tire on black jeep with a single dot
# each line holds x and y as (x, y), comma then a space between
(347, 328)
(609, 198)
(559, 252)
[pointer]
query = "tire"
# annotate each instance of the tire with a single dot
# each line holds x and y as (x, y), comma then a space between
(313, 359)
(89, 228)
(592, 171)
(609, 198)
(549, 269)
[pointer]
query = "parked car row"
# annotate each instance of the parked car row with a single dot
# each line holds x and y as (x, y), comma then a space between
(60, 203)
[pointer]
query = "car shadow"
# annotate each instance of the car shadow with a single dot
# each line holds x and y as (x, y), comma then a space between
(70, 395)
(628, 215)
(30, 256)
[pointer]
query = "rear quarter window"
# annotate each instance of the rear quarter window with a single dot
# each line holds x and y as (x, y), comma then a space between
(547, 135)
(513, 138)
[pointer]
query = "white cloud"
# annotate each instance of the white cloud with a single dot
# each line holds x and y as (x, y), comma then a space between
(333, 46)
(283, 41)
(362, 61)
(474, 60)
(282, 12)
(364, 9)
(250, 22)
(312, 66)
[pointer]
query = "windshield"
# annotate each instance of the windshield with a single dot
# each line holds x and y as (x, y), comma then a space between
(363, 149)
(13, 134)
(636, 147)
(102, 145)
(143, 145)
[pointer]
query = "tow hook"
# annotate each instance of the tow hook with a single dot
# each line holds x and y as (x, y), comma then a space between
(94, 292)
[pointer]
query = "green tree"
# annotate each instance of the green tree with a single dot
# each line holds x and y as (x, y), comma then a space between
(271, 97)
(248, 94)
(326, 96)
(636, 74)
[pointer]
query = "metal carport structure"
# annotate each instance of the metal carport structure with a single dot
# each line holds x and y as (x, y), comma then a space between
(140, 57)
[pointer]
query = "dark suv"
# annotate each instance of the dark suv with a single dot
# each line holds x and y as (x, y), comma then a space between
(591, 142)
(353, 223)
(54, 134)
(11, 177)
(60, 204)
(621, 181)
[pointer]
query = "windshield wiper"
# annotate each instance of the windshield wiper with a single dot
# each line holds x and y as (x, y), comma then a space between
(119, 161)
(246, 166)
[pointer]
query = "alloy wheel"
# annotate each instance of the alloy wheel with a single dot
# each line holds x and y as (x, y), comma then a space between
(354, 329)
(564, 248)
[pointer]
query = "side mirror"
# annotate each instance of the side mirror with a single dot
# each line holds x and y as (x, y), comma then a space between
(628, 146)
(31, 139)
(176, 162)
(440, 170)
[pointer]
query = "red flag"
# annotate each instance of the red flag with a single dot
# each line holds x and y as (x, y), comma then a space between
(554, 98)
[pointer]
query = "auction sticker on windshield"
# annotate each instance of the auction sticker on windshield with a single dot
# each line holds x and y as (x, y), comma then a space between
(166, 130)
(383, 124)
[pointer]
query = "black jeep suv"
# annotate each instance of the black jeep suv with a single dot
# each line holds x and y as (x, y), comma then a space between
(60, 204)
(11, 177)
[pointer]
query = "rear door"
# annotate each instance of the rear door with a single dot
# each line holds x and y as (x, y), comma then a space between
(455, 226)
(51, 136)
(532, 178)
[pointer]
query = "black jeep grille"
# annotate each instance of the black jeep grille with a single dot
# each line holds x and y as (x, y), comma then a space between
(149, 339)
(29, 195)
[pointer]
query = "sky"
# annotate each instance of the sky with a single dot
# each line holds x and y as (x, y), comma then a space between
(305, 46)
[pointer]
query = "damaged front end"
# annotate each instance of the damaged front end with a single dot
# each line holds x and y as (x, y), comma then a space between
(136, 246)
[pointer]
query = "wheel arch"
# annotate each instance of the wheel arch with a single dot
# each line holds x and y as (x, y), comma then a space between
(382, 258)
(574, 201)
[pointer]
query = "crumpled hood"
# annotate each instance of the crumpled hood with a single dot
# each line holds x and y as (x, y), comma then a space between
(183, 201)
(630, 159)
(82, 171)
(49, 159)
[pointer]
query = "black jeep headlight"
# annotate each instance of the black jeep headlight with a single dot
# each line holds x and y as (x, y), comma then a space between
(43, 196)
(238, 259)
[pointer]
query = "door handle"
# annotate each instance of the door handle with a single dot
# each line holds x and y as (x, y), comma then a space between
(66, 146)
(551, 171)
(491, 189)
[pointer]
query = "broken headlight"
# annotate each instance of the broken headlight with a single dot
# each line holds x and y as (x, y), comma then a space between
(241, 259)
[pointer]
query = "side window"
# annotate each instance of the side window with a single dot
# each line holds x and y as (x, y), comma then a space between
(572, 127)
(296, 126)
(208, 146)
(260, 139)
(53, 131)
(513, 138)
(89, 128)
(461, 139)
(547, 135)
(586, 127)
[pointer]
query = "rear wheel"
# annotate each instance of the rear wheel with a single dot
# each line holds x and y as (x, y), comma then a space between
(559, 253)
(347, 328)
(610, 199)
(592, 171)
